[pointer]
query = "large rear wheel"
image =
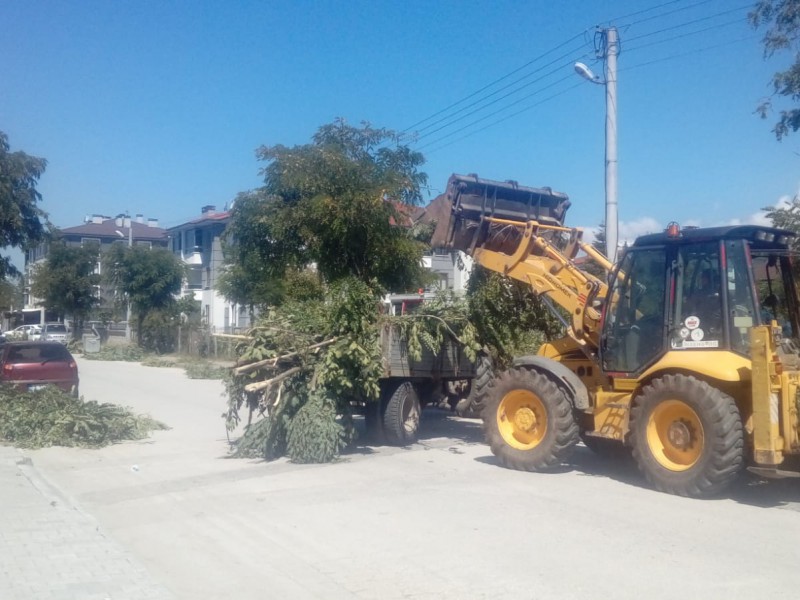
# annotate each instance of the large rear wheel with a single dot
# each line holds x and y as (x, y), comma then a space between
(528, 421)
(687, 436)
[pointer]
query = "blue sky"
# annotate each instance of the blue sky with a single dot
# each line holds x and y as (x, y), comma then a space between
(157, 107)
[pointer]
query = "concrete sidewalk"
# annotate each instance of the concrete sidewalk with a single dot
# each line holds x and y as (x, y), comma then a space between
(50, 550)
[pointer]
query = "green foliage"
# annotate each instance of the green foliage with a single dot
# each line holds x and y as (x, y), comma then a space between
(126, 353)
(158, 330)
(66, 281)
(508, 316)
(441, 320)
(205, 370)
(786, 217)
(11, 293)
(49, 417)
(338, 202)
(150, 279)
(258, 247)
(781, 18)
(22, 223)
(315, 435)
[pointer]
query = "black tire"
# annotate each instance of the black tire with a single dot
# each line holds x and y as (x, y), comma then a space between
(402, 415)
(479, 387)
(687, 436)
(540, 433)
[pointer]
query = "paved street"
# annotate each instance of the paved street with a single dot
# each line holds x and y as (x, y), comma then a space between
(438, 520)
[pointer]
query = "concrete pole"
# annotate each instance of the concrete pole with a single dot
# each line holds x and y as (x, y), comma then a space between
(128, 320)
(612, 50)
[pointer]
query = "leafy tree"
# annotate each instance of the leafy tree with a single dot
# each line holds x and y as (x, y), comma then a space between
(22, 222)
(786, 217)
(150, 279)
(11, 293)
(66, 281)
(781, 18)
(338, 202)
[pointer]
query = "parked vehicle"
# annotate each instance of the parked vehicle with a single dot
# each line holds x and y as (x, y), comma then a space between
(33, 365)
(55, 332)
(24, 332)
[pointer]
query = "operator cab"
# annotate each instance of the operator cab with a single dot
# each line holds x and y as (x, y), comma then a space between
(697, 289)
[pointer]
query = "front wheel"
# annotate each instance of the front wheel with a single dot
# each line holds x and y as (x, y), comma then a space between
(687, 436)
(528, 421)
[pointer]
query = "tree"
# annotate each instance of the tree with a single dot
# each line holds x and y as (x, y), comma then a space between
(341, 202)
(786, 217)
(11, 293)
(781, 18)
(150, 279)
(66, 281)
(22, 222)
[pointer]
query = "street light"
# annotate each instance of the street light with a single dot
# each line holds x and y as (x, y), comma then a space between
(130, 245)
(610, 83)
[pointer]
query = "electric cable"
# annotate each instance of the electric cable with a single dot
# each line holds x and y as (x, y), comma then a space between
(496, 81)
(687, 23)
(684, 35)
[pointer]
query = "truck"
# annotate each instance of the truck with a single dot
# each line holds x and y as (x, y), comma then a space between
(684, 355)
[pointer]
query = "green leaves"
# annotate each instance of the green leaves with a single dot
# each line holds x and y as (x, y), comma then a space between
(341, 202)
(22, 223)
(781, 18)
(49, 417)
(66, 281)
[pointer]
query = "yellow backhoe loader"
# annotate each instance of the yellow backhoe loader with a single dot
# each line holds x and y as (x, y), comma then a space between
(683, 354)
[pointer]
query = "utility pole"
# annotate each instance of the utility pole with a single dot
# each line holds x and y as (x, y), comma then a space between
(128, 319)
(612, 222)
(608, 50)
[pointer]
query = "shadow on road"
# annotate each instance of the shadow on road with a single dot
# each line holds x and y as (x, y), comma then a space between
(748, 489)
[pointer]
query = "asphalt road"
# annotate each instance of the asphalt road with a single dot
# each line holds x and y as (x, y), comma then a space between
(437, 520)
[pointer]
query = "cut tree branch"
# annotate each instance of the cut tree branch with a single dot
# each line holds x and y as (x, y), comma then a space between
(262, 385)
(271, 362)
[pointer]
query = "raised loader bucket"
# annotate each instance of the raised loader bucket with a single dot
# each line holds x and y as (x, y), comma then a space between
(470, 198)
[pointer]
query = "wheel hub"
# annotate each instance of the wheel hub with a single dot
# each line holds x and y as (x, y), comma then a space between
(525, 419)
(680, 435)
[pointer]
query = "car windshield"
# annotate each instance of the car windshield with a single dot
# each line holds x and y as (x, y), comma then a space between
(57, 328)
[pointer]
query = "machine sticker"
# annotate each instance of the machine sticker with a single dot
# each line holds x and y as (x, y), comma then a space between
(692, 322)
(701, 344)
(697, 335)
(684, 332)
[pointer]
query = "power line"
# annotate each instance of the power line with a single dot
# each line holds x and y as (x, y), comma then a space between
(505, 87)
(506, 118)
(686, 24)
(690, 52)
(559, 68)
(671, 12)
(496, 81)
(684, 35)
(646, 10)
(497, 112)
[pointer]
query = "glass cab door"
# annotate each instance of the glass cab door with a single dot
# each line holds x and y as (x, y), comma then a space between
(634, 323)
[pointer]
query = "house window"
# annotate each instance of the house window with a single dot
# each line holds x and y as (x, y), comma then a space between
(85, 241)
(198, 238)
(144, 244)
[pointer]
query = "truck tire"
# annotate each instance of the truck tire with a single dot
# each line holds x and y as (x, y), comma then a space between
(401, 416)
(476, 401)
(528, 421)
(687, 436)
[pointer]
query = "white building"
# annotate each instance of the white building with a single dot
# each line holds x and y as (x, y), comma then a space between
(199, 244)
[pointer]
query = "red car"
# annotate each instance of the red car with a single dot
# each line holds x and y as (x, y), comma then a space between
(33, 365)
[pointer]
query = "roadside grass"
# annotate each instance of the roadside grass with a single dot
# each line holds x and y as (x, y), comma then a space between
(50, 417)
(195, 368)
